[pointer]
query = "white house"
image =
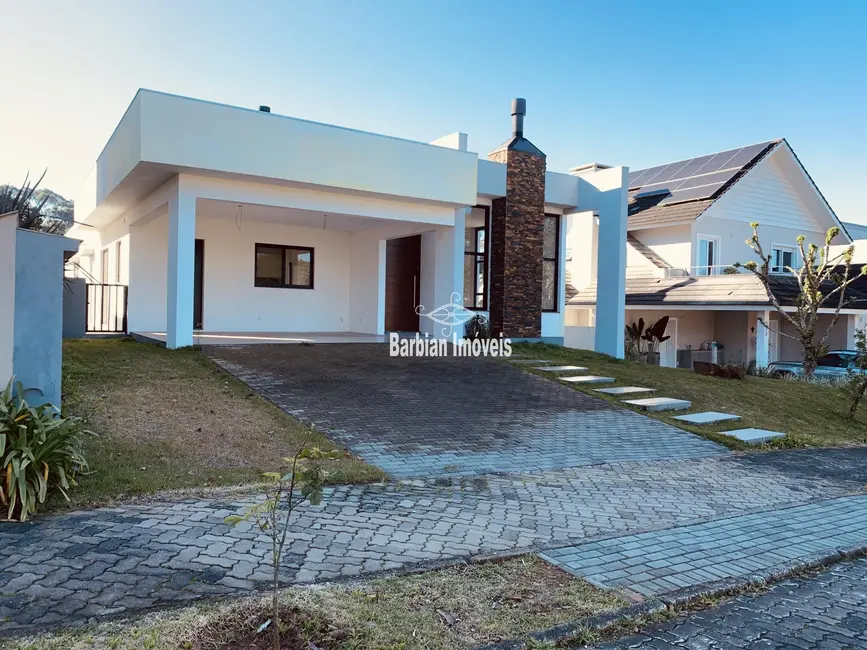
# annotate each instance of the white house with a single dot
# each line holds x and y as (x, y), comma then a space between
(225, 222)
(688, 224)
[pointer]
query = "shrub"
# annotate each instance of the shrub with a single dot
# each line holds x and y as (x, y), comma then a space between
(856, 377)
(40, 451)
(477, 328)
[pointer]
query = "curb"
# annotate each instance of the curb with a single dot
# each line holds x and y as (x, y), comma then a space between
(680, 598)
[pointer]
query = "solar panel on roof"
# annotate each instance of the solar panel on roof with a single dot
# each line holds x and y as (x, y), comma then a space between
(692, 194)
(695, 178)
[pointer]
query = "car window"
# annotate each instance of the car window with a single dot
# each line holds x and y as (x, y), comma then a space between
(834, 360)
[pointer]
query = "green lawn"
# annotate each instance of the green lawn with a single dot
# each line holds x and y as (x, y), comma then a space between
(811, 415)
(173, 419)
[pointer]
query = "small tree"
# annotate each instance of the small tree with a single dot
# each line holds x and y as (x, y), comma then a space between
(819, 279)
(302, 482)
(856, 378)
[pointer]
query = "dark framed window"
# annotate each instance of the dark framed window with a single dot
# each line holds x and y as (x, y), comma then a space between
(287, 267)
(550, 262)
(476, 258)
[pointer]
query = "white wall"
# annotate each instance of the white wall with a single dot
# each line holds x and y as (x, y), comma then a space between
(148, 264)
(734, 233)
(671, 243)
(233, 303)
(582, 241)
(200, 134)
(8, 226)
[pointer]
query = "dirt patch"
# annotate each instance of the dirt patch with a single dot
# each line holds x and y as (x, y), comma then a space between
(251, 628)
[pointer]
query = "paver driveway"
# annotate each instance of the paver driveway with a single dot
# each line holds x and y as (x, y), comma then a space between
(417, 417)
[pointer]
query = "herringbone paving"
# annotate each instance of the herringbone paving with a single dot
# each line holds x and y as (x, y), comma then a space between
(69, 568)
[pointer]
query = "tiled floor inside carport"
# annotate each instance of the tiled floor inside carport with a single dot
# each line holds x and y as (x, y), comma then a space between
(418, 417)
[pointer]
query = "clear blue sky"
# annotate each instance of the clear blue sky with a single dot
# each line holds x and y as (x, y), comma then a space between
(633, 83)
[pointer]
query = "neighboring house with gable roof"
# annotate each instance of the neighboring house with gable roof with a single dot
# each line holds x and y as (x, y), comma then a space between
(688, 224)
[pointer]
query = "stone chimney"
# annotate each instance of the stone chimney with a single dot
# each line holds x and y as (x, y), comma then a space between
(517, 227)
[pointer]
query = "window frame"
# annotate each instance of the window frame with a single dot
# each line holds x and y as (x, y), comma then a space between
(782, 248)
(483, 257)
(283, 248)
(556, 260)
(104, 263)
(712, 268)
(117, 248)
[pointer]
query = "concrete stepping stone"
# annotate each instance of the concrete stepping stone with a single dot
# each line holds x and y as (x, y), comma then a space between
(529, 361)
(707, 417)
(624, 390)
(660, 404)
(561, 368)
(754, 436)
(588, 379)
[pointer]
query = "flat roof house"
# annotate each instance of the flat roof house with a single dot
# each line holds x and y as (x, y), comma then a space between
(688, 223)
(225, 222)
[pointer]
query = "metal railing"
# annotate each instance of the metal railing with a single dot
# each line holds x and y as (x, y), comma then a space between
(699, 271)
(73, 269)
(106, 308)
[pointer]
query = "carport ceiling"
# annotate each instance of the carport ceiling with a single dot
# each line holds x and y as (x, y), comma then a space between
(290, 216)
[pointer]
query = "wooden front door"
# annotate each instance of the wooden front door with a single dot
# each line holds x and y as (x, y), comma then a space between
(402, 283)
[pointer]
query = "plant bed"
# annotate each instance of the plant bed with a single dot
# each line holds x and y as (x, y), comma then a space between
(248, 628)
(172, 419)
(457, 608)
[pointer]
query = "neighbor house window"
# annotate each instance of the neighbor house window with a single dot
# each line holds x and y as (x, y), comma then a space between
(550, 262)
(781, 258)
(708, 256)
(476, 259)
(284, 266)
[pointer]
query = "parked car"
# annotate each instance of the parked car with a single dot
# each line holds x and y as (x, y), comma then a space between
(834, 364)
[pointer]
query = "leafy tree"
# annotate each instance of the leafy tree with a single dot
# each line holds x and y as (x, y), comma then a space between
(822, 278)
(38, 209)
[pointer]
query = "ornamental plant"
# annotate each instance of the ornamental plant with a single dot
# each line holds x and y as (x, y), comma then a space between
(40, 451)
(301, 481)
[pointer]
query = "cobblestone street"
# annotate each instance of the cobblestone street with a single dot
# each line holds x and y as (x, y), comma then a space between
(69, 568)
(824, 612)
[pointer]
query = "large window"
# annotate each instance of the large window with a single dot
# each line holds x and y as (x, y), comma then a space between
(290, 267)
(476, 259)
(708, 256)
(550, 262)
(781, 258)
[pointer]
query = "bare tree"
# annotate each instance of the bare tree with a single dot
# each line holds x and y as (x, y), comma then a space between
(822, 278)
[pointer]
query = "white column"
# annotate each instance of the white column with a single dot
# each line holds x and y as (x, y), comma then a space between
(180, 276)
(763, 339)
(381, 257)
(611, 263)
(851, 323)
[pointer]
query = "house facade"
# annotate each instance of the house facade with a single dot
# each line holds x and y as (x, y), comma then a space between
(223, 221)
(688, 225)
